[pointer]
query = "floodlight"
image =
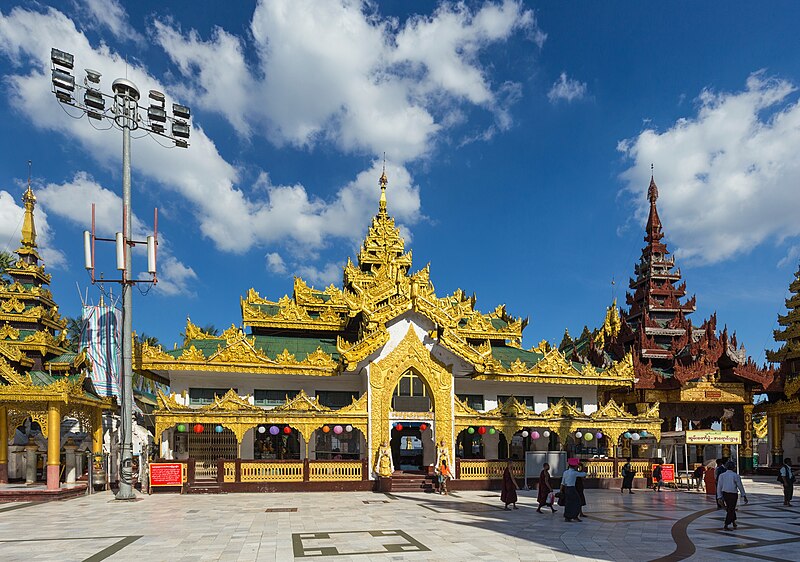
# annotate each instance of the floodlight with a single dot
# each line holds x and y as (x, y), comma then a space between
(155, 113)
(63, 97)
(181, 143)
(94, 99)
(124, 87)
(155, 95)
(180, 111)
(93, 76)
(61, 58)
(180, 129)
(156, 128)
(63, 80)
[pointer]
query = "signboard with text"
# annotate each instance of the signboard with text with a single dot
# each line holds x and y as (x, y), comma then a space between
(667, 472)
(167, 474)
(709, 437)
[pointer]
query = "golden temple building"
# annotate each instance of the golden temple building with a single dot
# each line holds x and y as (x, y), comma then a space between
(337, 388)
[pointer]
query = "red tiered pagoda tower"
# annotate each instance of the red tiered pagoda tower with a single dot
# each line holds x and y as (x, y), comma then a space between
(696, 374)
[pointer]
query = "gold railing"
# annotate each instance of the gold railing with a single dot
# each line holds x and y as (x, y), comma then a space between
(600, 469)
(335, 470)
(642, 468)
(288, 471)
(229, 472)
(474, 469)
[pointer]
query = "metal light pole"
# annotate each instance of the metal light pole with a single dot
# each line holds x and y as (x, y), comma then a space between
(127, 115)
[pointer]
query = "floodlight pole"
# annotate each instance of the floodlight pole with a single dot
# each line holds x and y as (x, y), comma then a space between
(124, 93)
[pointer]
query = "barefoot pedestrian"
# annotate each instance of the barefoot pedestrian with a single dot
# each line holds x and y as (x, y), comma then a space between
(628, 474)
(786, 476)
(572, 501)
(729, 485)
(508, 495)
(545, 496)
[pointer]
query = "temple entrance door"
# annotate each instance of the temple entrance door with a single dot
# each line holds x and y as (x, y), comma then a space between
(407, 448)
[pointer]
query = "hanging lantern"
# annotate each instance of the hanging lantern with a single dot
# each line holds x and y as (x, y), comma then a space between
(546, 433)
(274, 430)
(525, 433)
(423, 426)
(198, 428)
(635, 436)
(578, 434)
(181, 428)
(348, 428)
(325, 429)
(262, 429)
(219, 429)
(643, 433)
(471, 430)
(482, 430)
(337, 429)
(399, 427)
(492, 431)
(535, 435)
(599, 435)
(627, 435)
(588, 436)
(287, 430)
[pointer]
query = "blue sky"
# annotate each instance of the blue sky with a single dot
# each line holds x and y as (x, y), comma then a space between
(518, 139)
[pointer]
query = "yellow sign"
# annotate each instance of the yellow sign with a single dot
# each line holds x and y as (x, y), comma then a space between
(703, 437)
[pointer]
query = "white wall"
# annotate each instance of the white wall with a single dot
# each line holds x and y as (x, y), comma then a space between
(540, 392)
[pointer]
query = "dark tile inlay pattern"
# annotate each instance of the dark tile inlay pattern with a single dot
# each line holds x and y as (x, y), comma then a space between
(281, 510)
(351, 543)
(375, 501)
(102, 555)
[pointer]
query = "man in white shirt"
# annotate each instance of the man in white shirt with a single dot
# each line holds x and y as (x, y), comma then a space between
(787, 479)
(728, 487)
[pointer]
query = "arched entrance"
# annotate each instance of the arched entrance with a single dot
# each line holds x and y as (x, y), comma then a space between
(410, 369)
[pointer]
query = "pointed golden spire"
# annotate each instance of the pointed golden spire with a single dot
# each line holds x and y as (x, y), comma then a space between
(383, 183)
(28, 226)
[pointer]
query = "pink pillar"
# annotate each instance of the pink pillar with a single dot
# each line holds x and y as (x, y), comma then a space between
(52, 476)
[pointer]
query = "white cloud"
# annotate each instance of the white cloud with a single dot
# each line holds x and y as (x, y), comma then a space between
(335, 70)
(567, 89)
(275, 263)
(728, 175)
(110, 15)
(321, 277)
(11, 215)
(72, 201)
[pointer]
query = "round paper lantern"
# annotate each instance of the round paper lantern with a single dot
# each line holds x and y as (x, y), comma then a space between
(588, 436)
(287, 430)
(198, 428)
(643, 433)
(535, 435)
(325, 429)
(492, 431)
(337, 429)
(627, 435)
(471, 430)
(635, 436)
(546, 433)
(219, 429)
(262, 429)
(482, 430)
(578, 434)
(599, 435)
(274, 430)
(399, 427)
(181, 428)
(423, 426)
(524, 433)
(348, 428)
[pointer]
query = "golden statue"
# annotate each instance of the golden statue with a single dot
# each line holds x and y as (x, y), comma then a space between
(442, 454)
(384, 466)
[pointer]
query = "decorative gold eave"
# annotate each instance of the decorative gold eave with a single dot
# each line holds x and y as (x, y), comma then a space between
(353, 353)
(552, 379)
(42, 342)
(22, 269)
(15, 355)
(17, 289)
(293, 316)
(64, 391)
(781, 407)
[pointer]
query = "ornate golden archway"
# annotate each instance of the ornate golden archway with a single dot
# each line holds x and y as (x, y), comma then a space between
(410, 354)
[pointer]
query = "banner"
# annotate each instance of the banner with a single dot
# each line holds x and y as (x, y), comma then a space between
(709, 437)
(100, 335)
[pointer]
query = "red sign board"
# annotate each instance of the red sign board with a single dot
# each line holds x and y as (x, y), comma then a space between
(667, 472)
(167, 474)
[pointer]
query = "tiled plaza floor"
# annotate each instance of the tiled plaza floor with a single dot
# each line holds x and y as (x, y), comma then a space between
(668, 526)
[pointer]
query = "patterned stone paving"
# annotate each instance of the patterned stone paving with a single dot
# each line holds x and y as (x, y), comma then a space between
(668, 527)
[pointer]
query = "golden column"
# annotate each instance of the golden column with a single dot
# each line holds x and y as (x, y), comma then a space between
(725, 425)
(97, 432)
(776, 432)
(747, 440)
(3, 445)
(53, 445)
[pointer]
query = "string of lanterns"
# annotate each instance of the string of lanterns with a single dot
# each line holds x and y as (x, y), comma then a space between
(533, 434)
(273, 430)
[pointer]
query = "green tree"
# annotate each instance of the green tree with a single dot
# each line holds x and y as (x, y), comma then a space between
(6, 261)
(74, 328)
(152, 341)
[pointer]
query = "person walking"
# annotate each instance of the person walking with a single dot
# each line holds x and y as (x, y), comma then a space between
(729, 485)
(627, 476)
(572, 501)
(786, 476)
(657, 476)
(508, 495)
(444, 477)
(545, 495)
(717, 471)
(579, 489)
(698, 474)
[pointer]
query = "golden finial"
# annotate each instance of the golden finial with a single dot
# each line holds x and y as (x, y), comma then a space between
(383, 183)
(28, 226)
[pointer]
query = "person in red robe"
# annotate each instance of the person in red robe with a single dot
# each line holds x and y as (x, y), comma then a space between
(508, 495)
(544, 496)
